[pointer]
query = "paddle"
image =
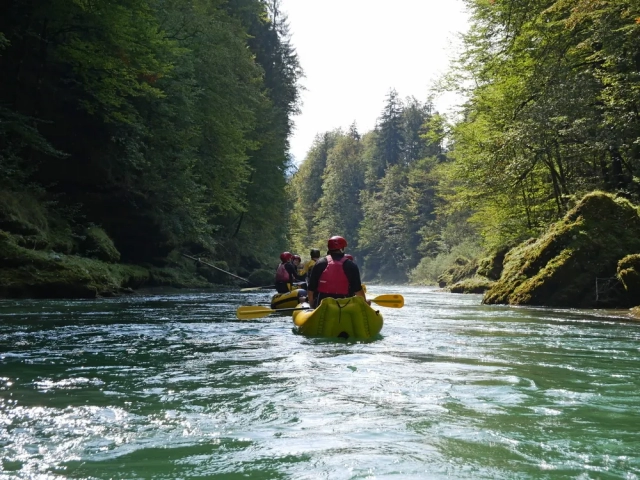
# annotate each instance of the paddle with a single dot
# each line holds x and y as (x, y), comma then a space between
(248, 312)
(216, 268)
(252, 289)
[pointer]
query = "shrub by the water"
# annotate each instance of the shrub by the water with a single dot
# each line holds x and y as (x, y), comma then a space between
(97, 244)
(261, 277)
(430, 269)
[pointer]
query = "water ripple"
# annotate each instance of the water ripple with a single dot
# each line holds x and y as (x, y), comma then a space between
(173, 386)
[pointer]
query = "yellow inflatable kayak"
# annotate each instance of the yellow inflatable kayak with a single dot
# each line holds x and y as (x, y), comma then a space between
(339, 318)
(287, 300)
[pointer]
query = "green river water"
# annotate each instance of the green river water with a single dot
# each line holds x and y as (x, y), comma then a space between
(172, 386)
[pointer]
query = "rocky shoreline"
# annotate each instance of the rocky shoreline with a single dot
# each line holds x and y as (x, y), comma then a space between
(589, 259)
(30, 273)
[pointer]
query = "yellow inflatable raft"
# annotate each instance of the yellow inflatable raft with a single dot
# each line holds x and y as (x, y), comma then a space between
(287, 300)
(339, 318)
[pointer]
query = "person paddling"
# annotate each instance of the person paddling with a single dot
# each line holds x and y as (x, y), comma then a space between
(334, 276)
(286, 273)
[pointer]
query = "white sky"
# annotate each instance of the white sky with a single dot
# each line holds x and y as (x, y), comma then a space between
(354, 51)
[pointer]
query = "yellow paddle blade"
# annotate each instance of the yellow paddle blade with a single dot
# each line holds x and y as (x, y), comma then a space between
(247, 312)
(392, 300)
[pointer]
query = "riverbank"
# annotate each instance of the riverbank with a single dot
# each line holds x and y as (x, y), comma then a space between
(32, 273)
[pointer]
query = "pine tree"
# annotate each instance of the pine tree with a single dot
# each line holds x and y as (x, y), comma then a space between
(390, 125)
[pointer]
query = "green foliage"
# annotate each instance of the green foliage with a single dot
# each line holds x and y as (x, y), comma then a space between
(166, 122)
(97, 244)
(306, 190)
(377, 190)
(551, 115)
(430, 269)
(262, 277)
(385, 231)
(21, 213)
(339, 211)
(390, 141)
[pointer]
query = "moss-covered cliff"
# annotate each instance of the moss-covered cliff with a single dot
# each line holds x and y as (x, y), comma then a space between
(574, 264)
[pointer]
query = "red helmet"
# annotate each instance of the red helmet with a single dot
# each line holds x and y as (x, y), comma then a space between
(296, 257)
(285, 256)
(336, 243)
(349, 257)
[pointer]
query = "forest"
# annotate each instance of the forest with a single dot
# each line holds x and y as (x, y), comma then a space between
(162, 123)
(154, 127)
(551, 114)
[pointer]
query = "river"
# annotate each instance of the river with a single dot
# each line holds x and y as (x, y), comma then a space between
(172, 386)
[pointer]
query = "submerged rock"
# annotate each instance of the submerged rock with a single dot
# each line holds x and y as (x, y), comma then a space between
(574, 264)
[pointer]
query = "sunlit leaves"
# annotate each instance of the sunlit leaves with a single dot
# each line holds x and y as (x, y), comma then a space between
(552, 112)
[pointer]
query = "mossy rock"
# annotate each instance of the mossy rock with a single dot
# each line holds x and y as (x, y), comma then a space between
(262, 277)
(472, 285)
(33, 242)
(560, 268)
(98, 245)
(61, 237)
(463, 268)
(629, 275)
(491, 266)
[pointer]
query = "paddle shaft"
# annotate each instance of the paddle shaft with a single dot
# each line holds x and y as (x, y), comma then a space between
(249, 312)
(257, 311)
(219, 269)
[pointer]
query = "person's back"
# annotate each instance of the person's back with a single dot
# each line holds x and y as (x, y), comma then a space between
(287, 273)
(283, 276)
(334, 276)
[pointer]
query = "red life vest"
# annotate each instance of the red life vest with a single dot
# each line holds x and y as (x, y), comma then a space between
(333, 280)
(281, 274)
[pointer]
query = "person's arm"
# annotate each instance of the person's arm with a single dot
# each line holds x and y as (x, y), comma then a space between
(352, 272)
(293, 272)
(360, 293)
(314, 277)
